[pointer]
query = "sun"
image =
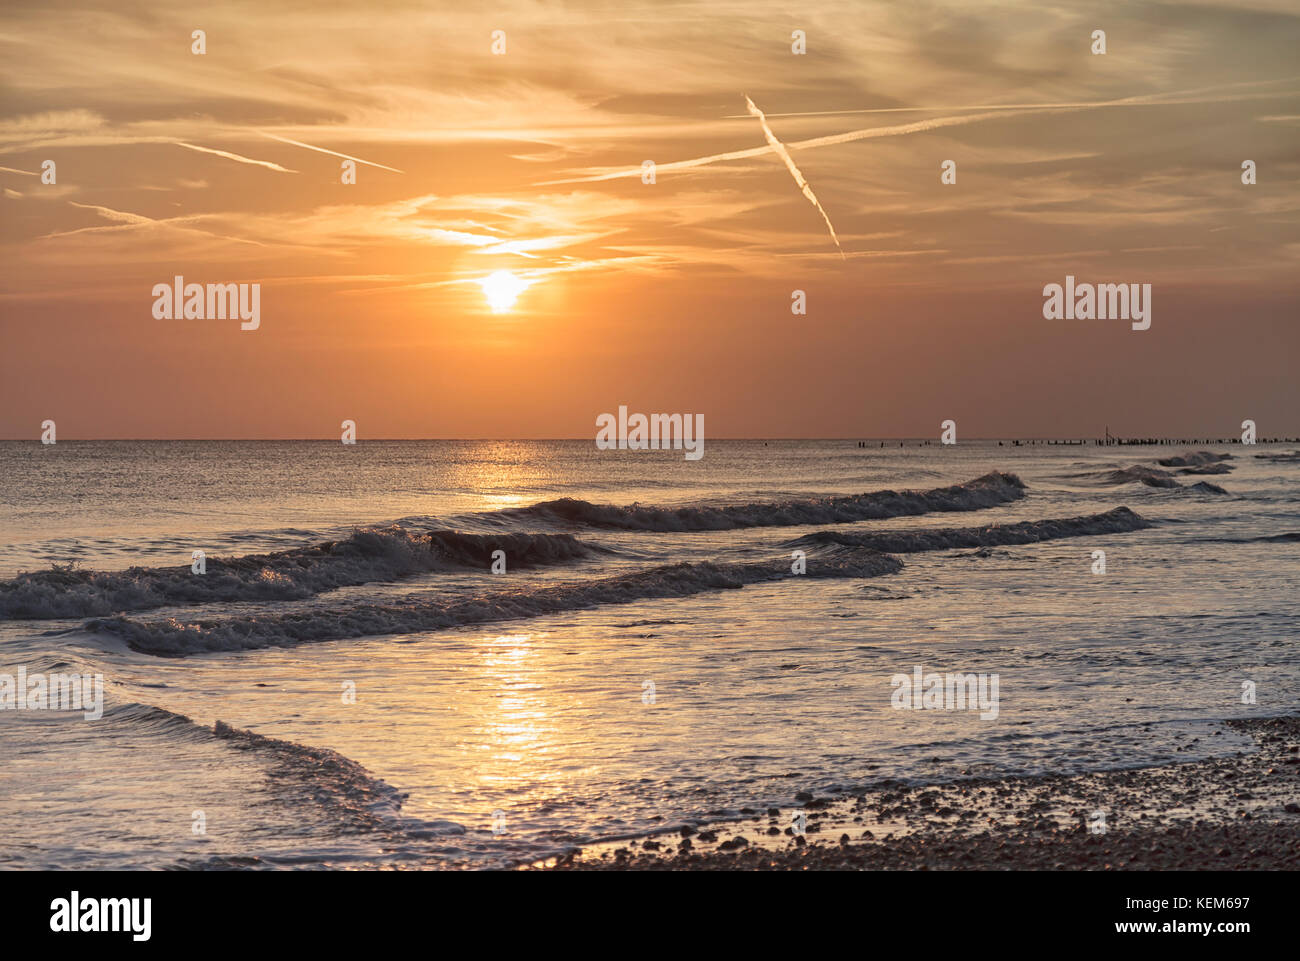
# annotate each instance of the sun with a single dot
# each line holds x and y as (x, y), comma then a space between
(502, 288)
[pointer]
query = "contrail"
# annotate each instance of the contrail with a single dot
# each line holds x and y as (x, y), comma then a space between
(867, 133)
(234, 156)
(794, 171)
(917, 126)
(123, 218)
(1138, 100)
(1183, 97)
(299, 143)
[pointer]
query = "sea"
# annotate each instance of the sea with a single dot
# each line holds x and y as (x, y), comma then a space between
(481, 654)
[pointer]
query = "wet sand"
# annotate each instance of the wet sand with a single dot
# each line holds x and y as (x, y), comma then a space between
(1231, 813)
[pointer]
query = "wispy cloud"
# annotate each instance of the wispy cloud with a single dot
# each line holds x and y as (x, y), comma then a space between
(117, 216)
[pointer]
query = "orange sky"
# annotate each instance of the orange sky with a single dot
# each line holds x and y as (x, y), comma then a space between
(672, 296)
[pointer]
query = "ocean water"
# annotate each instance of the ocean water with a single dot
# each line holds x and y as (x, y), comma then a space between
(349, 684)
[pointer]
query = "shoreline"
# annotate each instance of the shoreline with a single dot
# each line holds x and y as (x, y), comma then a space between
(1240, 812)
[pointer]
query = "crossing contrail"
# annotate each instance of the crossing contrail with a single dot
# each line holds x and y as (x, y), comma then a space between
(1172, 98)
(794, 171)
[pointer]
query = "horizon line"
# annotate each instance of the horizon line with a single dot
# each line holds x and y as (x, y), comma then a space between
(589, 438)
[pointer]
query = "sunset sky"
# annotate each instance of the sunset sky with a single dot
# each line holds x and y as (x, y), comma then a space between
(673, 296)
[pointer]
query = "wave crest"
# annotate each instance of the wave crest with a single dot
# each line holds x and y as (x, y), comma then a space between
(417, 614)
(1197, 458)
(1154, 477)
(1116, 521)
(990, 490)
(368, 555)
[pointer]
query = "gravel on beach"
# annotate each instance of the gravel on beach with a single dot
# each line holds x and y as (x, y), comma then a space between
(1228, 813)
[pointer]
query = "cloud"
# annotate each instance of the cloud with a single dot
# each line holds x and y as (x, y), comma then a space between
(117, 216)
(513, 143)
(52, 123)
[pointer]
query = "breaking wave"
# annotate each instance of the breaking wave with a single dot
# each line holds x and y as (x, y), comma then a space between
(176, 638)
(368, 555)
(322, 776)
(352, 797)
(990, 490)
(1209, 469)
(1152, 477)
(1198, 458)
(1119, 520)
